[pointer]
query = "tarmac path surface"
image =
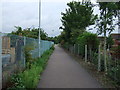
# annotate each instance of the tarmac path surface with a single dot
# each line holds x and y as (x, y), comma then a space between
(63, 71)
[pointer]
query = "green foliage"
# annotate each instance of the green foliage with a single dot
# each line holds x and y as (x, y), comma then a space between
(32, 33)
(65, 45)
(54, 39)
(105, 21)
(30, 77)
(95, 59)
(62, 38)
(52, 47)
(114, 71)
(28, 56)
(27, 50)
(88, 39)
(110, 42)
(17, 82)
(76, 18)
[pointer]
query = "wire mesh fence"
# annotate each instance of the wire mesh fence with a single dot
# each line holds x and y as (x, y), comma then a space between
(13, 53)
(96, 58)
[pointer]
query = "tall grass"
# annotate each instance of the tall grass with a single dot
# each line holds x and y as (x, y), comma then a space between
(30, 77)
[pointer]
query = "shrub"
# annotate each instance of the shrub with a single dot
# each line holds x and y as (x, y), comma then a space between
(88, 39)
(28, 56)
(30, 77)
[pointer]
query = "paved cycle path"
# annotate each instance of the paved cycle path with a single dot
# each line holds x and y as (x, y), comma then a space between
(63, 71)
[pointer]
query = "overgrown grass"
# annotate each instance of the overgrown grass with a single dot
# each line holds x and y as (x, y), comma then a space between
(30, 77)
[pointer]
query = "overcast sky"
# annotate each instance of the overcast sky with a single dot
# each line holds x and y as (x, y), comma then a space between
(24, 13)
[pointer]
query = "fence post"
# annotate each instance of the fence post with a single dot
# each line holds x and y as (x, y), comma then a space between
(71, 48)
(85, 53)
(24, 53)
(99, 58)
(78, 49)
(74, 48)
(0, 61)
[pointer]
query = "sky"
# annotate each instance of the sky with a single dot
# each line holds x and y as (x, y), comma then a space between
(24, 13)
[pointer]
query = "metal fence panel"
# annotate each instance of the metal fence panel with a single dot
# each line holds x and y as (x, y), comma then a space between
(13, 52)
(0, 61)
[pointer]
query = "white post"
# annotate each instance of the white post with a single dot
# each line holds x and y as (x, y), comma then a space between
(85, 53)
(0, 61)
(39, 24)
(99, 59)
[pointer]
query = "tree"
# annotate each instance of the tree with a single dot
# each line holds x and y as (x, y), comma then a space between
(31, 33)
(105, 22)
(118, 14)
(18, 30)
(76, 18)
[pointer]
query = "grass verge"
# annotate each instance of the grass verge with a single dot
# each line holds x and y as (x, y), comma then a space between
(30, 77)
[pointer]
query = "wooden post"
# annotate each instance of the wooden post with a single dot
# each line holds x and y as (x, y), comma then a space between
(85, 53)
(99, 58)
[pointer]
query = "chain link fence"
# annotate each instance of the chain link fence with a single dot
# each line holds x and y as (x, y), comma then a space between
(13, 53)
(96, 57)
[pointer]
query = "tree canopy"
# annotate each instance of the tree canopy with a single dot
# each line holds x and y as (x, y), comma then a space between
(28, 32)
(76, 18)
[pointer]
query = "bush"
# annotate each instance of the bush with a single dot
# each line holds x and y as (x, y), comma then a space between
(30, 77)
(16, 82)
(88, 39)
(28, 56)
